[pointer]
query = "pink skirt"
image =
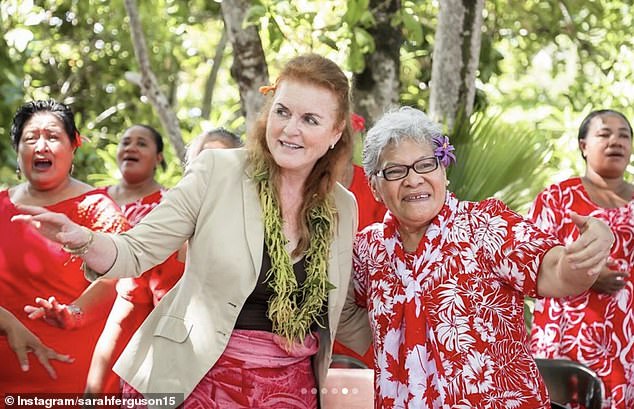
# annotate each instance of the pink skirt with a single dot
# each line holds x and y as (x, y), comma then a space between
(255, 371)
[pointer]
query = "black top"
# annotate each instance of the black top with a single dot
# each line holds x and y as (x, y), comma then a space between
(253, 315)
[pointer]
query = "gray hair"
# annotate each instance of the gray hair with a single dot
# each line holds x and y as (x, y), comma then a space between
(393, 127)
(228, 138)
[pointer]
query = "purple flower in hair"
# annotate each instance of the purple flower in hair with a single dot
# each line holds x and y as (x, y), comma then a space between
(444, 150)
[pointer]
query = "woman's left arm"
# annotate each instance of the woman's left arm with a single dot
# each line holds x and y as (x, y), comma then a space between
(570, 270)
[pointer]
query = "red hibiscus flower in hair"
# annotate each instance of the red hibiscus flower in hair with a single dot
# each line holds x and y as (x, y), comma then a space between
(358, 122)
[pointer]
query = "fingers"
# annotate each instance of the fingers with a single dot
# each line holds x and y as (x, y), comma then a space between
(34, 313)
(593, 260)
(31, 210)
(45, 354)
(42, 356)
(580, 221)
(22, 354)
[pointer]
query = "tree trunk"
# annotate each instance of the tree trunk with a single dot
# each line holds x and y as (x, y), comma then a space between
(149, 85)
(210, 84)
(249, 68)
(455, 59)
(378, 86)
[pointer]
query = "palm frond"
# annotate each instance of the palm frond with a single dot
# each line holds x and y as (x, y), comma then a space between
(497, 159)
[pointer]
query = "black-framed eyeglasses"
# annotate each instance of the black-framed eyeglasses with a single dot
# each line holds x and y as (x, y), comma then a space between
(398, 172)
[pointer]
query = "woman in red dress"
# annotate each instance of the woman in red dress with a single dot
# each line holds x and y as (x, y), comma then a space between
(444, 280)
(45, 137)
(596, 326)
(139, 153)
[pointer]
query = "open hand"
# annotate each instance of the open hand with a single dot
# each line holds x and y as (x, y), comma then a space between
(23, 341)
(54, 226)
(55, 313)
(591, 250)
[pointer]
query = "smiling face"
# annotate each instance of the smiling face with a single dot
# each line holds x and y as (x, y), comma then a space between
(137, 155)
(45, 152)
(416, 199)
(302, 125)
(607, 146)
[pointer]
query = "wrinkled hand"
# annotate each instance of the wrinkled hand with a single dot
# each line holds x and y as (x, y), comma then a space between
(23, 341)
(610, 280)
(54, 226)
(55, 313)
(591, 250)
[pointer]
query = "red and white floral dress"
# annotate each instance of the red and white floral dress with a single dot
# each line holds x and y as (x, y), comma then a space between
(592, 328)
(448, 321)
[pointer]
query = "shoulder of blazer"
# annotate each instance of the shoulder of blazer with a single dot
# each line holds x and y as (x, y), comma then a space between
(220, 166)
(225, 159)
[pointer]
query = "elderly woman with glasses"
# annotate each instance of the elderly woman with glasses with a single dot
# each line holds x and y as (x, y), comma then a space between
(444, 280)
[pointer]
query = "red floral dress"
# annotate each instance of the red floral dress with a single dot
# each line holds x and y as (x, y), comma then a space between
(592, 328)
(32, 266)
(448, 321)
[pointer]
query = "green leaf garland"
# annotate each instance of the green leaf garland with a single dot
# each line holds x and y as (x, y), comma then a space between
(293, 309)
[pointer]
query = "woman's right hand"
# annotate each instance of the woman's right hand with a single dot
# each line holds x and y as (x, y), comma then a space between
(54, 226)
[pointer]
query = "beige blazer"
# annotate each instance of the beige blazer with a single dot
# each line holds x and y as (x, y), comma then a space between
(216, 209)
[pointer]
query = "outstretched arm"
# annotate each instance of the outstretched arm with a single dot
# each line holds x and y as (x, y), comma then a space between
(23, 341)
(92, 302)
(97, 249)
(574, 269)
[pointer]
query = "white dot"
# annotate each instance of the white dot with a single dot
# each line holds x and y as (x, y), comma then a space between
(344, 391)
(313, 391)
(304, 391)
(324, 391)
(355, 391)
(334, 391)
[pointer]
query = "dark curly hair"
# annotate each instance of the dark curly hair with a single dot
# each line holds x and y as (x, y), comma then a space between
(60, 110)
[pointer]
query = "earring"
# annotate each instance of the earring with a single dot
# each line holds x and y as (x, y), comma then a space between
(332, 146)
(447, 183)
(18, 172)
(72, 168)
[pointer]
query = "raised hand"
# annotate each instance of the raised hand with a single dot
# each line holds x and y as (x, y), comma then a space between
(54, 226)
(591, 250)
(55, 313)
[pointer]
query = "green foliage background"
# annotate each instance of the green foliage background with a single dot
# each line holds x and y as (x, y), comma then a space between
(543, 66)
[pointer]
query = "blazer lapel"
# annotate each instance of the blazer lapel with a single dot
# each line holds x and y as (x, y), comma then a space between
(253, 226)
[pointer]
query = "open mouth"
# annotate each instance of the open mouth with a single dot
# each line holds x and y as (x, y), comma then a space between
(290, 145)
(42, 164)
(416, 197)
(130, 159)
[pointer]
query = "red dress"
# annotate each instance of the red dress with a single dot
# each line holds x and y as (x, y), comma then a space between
(370, 211)
(448, 320)
(592, 328)
(151, 286)
(32, 266)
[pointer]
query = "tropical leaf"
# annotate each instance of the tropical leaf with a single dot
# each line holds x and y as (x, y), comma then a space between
(497, 159)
